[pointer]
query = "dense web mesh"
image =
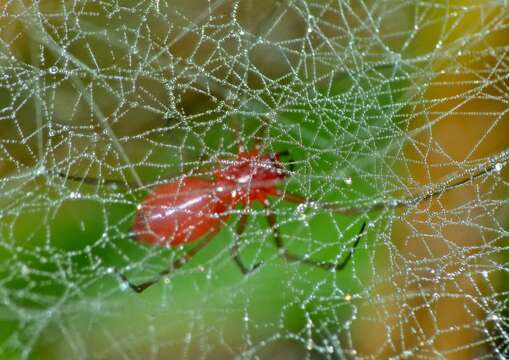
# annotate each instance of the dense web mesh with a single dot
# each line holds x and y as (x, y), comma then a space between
(396, 110)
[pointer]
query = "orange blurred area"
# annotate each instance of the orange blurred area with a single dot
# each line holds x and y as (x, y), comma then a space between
(468, 110)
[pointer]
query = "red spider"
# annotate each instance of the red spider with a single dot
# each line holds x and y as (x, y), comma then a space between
(186, 210)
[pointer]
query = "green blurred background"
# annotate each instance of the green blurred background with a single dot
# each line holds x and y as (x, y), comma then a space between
(144, 91)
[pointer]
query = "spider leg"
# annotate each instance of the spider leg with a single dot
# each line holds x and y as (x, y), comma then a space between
(177, 264)
(241, 226)
(298, 199)
(97, 181)
(266, 24)
(342, 264)
(89, 180)
(432, 191)
(285, 254)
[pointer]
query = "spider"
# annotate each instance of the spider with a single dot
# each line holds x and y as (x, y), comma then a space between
(195, 208)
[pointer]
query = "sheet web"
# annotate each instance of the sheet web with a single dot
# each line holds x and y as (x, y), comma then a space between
(394, 109)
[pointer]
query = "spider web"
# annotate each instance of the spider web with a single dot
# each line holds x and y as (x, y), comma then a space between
(396, 108)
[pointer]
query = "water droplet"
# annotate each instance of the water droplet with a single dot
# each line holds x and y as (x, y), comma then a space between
(498, 167)
(53, 70)
(301, 208)
(40, 170)
(166, 280)
(310, 344)
(110, 270)
(348, 181)
(74, 195)
(124, 286)
(493, 317)
(348, 297)
(25, 270)
(112, 186)
(407, 354)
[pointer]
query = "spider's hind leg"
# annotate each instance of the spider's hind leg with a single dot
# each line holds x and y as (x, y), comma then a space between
(288, 256)
(139, 288)
(241, 227)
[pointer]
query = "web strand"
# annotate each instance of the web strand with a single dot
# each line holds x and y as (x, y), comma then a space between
(389, 113)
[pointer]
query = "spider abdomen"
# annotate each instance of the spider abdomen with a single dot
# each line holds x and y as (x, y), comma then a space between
(181, 212)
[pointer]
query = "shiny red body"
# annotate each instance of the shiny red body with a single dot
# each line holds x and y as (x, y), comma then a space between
(183, 211)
